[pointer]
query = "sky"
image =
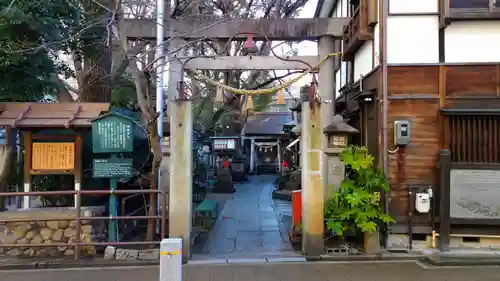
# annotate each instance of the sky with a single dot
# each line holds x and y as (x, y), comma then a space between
(307, 48)
(304, 48)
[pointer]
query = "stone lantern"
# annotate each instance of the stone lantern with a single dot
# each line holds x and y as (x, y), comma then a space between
(337, 133)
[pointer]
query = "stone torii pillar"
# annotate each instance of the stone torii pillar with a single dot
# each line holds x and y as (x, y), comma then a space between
(181, 129)
(311, 162)
(316, 113)
(326, 87)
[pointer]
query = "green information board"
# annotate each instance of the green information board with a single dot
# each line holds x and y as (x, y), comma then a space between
(112, 133)
(112, 168)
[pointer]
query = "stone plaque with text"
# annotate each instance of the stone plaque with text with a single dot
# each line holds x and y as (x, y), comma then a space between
(474, 194)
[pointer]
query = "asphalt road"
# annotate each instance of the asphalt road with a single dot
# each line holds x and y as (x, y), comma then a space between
(375, 271)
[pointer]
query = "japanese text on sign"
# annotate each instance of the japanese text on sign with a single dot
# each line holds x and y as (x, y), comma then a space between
(53, 156)
(112, 134)
(112, 168)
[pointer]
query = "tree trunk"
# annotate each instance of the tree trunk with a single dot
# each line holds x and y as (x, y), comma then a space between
(154, 140)
(94, 76)
(6, 163)
(96, 86)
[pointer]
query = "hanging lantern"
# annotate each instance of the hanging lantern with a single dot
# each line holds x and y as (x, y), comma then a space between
(249, 103)
(280, 97)
(249, 47)
(219, 95)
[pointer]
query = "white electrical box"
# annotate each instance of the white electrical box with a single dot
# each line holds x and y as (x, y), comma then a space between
(423, 203)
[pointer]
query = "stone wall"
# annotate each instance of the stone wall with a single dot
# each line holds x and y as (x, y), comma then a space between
(60, 230)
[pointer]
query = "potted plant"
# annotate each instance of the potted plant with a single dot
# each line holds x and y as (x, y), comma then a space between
(355, 204)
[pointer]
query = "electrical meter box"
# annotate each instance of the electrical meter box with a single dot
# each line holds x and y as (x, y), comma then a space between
(402, 132)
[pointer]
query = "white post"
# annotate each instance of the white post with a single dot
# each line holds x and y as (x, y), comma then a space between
(26, 198)
(171, 259)
(77, 188)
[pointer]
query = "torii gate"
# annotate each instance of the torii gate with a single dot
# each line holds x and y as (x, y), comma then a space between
(315, 115)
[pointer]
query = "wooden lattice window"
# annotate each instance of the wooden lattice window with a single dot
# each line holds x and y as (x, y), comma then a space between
(474, 138)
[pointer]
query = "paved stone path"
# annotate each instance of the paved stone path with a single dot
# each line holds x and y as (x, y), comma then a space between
(249, 225)
(269, 272)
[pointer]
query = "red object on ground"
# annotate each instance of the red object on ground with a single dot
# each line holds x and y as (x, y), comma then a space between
(284, 164)
(225, 164)
(296, 209)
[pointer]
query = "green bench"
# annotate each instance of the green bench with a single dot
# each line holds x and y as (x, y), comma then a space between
(206, 213)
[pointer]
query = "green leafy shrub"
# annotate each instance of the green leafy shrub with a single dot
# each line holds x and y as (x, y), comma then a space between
(356, 202)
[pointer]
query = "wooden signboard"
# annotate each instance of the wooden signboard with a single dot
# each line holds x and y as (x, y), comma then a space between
(50, 156)
(224, 144)
(112, 133)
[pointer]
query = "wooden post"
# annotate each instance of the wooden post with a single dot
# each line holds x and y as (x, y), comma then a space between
(28, 142)
(312, 179)
(181, 128)
(444, 198)
(252, 155)
(278, 148)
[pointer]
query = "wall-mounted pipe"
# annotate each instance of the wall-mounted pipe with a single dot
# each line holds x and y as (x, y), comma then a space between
(384, 7)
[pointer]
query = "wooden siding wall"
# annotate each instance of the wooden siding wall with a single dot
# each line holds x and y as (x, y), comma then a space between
(413, 95)
(473, 139)
(417, 93)
(468, 81)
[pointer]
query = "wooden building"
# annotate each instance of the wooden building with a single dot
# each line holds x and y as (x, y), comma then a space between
(265, 140)
(443, 76)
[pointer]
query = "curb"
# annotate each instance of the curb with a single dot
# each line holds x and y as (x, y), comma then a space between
(74, 264)
(30, 265)
(433, 260)
(358, 258)
(466, 260)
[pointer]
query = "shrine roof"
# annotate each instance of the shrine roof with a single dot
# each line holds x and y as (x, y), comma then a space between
(266, 123)
(50, 115)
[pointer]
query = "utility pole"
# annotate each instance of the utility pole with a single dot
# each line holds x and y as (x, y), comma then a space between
(160, 95)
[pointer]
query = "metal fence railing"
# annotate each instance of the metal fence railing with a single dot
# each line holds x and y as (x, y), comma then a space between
(125, 226)
(78, 244)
